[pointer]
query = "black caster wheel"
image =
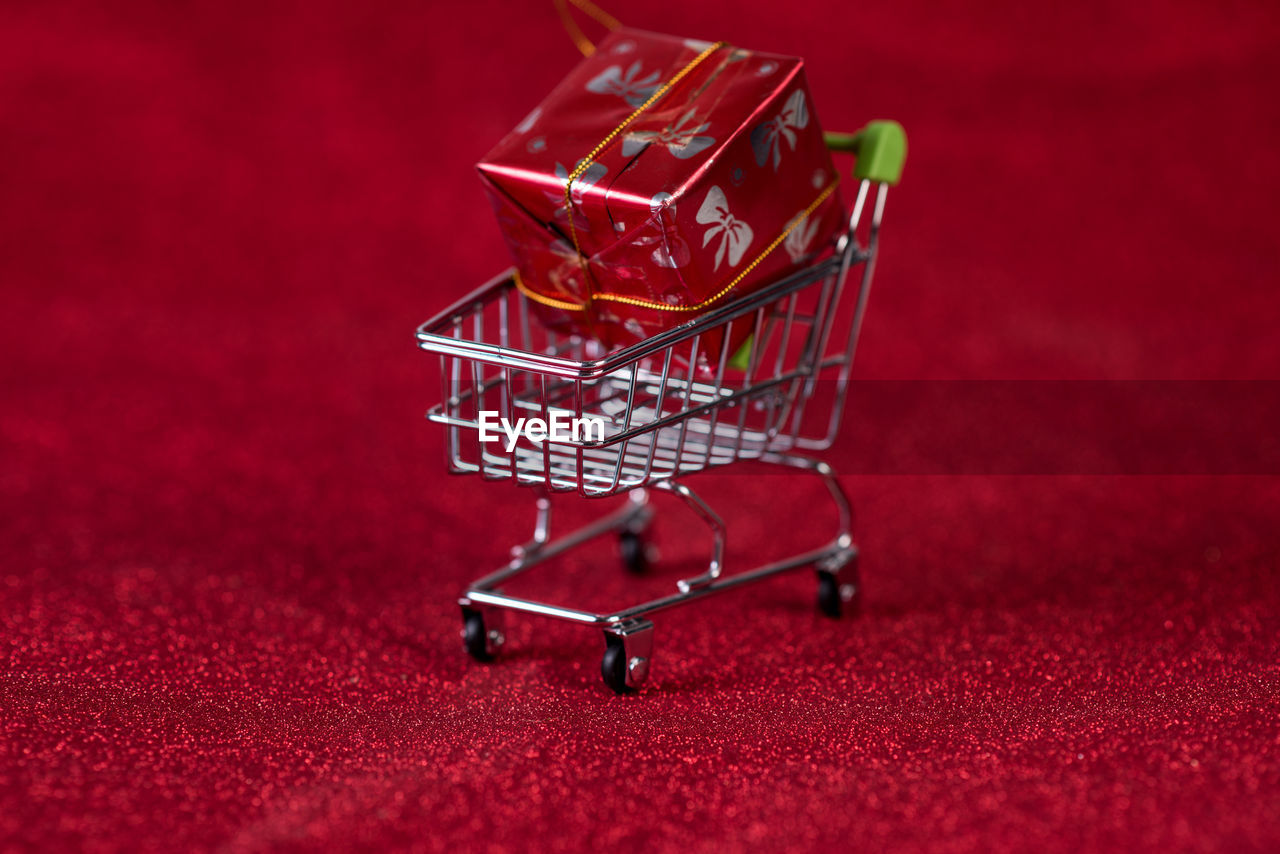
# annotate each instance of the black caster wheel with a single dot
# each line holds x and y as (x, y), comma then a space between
(475, 636)
(836, 599)
(614, 666)
(829, 601)
(628, 652)
(839, 592)
(632, 548)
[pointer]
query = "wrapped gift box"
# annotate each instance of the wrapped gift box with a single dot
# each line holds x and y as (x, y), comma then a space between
(698, 173)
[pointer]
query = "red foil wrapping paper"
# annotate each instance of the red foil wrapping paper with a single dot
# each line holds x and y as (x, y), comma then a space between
(716, 188)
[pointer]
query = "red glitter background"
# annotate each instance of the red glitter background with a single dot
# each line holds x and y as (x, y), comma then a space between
(229, 552)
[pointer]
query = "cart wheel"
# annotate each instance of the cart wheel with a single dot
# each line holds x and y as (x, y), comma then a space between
(614, 665)
(632, 547)
(830, 601)
(475, 636)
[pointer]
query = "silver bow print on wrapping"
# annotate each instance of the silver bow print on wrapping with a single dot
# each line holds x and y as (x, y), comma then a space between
(681, 139)
(632, 87)
(591, 176)
(801, 235)
(735, 235)
(766, 139)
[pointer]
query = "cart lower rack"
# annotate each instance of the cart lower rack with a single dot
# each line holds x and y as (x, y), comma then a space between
(663, 409)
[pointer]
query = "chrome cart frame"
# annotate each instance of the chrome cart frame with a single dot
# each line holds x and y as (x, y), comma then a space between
(671, 405)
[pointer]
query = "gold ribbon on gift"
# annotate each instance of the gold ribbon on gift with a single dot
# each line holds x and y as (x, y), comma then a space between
(585, 45)
(586, 162)
(795, 222)
(592, 11)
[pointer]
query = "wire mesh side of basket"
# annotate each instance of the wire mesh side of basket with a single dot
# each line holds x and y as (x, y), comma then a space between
(678, 410)
(670, 406)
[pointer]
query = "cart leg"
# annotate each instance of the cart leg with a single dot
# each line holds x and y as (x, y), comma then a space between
(628, 652)
(839, 587)
(541, 528)
(633, 547)
(714, 522)
(634, 516)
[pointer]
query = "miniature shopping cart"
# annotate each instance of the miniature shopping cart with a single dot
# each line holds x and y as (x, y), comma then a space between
(671, 405)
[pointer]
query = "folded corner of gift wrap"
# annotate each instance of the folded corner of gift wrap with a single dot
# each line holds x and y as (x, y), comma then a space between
(661, 176)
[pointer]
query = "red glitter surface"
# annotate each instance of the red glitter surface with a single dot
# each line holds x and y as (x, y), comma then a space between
(229, 552)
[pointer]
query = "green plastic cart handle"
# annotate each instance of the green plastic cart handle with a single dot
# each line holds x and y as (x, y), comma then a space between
(881, 149)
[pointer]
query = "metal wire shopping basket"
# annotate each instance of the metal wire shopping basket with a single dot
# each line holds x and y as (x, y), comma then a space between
(671, 405)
